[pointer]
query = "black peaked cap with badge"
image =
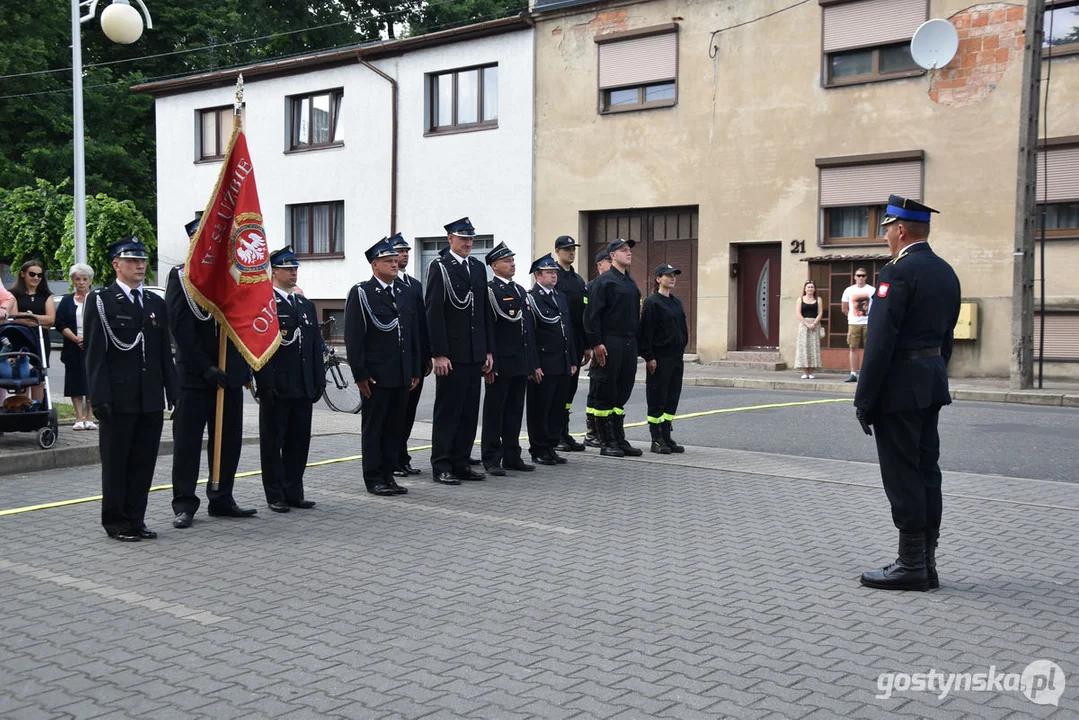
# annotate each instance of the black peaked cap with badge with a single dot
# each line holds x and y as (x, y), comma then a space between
(128, 246)
(382, 249)
(284, 258)
(901, 208)
(499, 252)
(544, 263)
(461, 228)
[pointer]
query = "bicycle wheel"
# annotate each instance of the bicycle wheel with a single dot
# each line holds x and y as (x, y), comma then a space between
(341, 394)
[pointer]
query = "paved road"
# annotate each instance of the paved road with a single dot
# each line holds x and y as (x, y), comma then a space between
(719, 583)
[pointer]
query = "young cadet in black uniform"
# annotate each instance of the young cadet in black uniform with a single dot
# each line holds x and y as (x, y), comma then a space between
(904, 383)
(195, 332)
(384, 354)
(412, 285)
(462, 343)
(573, 288)
(131, 375)
(515, 362)
(288, 386)
(611, 320)
(557, 362)
(603, 264)
(662, 340)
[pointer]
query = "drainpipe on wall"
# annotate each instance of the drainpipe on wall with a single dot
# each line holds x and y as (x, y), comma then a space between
(393, 142)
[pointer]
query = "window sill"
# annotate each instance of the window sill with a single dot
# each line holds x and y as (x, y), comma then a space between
(1062, 51)
(314, 148)
(865, 80)
(457, 129)
(321, 256)
(618, 109)
(209, 160)
(1053, 238)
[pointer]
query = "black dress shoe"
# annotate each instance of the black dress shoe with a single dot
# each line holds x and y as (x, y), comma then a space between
(474, 461)
(446, 478)
(406, 470)
(396, 488)
(234, 511)
(470, 475)
(559, 460)
(381, 489)
(125, 536)
(495, 470)
(280, 507)
(569, 444)
(183, 520)
(146, 533)
(303, 504)
(544, 460)
(520, 465)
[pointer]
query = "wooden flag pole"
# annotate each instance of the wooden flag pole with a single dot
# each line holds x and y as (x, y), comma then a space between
(219, 413)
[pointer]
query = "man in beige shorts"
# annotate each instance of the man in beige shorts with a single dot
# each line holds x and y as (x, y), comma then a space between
(857, 300)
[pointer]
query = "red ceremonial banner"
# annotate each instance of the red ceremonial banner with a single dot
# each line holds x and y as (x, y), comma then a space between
(228, 264)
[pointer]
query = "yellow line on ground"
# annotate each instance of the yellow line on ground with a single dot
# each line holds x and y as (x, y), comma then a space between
(353, 458)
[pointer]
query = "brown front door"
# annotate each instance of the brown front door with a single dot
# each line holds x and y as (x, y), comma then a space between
(758, 296)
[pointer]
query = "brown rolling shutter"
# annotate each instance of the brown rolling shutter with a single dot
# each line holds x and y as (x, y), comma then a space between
(1061, 336)
(1063, 175)
(638, 61)
(871, 22)
(870, 184)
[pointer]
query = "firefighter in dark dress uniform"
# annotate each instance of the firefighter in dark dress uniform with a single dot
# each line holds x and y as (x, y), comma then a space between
(384, 355)
(904, 383)
(603, 264)
(195, 332)
(412, 285)
(462, 345)
(288, 386)
(574, 288)
(131, 375)
(557, 362)
(662, 340)
(611, 321)
(515, 362)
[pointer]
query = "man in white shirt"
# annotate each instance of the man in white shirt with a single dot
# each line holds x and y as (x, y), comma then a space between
(857, 300)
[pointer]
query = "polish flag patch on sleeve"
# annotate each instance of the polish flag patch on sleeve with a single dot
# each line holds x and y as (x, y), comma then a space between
(882, 290)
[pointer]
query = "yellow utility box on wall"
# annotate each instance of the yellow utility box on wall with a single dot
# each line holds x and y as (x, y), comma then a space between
(966, 328)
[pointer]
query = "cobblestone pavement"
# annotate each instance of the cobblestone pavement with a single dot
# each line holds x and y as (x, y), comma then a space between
(718, 583)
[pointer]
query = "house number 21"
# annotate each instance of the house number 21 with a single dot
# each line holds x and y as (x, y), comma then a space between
(798, 246)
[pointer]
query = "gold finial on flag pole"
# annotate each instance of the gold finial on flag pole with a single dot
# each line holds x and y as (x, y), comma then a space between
(236, 106)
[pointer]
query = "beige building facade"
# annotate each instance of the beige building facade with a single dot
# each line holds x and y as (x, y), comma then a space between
(760, 156)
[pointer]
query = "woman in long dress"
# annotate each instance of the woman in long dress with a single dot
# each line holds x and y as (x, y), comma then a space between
(810, 310)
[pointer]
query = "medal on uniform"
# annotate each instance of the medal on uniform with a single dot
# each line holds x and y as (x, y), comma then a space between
(512, 312)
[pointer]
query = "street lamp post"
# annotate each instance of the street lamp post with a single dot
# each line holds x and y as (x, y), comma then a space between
(122, 24)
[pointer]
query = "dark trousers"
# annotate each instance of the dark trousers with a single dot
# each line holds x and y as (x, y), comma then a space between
(195, 411)
(410, 420)
(503, 411)
(382, 422)
(908, 447)
(457, 411)
(546, 413)
(284, 443)
(128, 444)
(571, 392)
(663, 388)
(614, 381)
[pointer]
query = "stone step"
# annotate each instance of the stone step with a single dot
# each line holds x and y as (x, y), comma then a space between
(741, 364)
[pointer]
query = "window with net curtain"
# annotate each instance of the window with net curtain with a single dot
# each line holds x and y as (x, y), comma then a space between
(317, 228)
(854, 192)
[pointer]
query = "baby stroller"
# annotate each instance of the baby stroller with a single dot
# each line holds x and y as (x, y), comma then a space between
(22, 365)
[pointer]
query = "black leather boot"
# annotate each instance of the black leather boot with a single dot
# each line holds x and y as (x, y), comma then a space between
(907, 572)
(620, 437)
(591, 439)
(658, 445)
(567, 443)
(931, 536)
(605, 430)
(665, 427)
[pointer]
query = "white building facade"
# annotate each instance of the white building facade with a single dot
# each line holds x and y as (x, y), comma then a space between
(331, 178)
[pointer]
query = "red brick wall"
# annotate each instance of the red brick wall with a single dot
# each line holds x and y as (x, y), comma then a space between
(990, 37)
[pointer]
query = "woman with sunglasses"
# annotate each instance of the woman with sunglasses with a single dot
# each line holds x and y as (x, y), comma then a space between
(34, 299)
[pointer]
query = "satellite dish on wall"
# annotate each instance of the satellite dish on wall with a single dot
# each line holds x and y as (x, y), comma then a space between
(934, 44)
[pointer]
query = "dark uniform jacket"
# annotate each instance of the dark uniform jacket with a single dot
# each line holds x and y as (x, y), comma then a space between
(390, 357)
(297, 370)
(614, 307)
(515, 343)
(574, 288)
(462, 335)
(137, 380)
(915, 308)
(554, 340)
(413, 286)
(197, 342)
(663, 328)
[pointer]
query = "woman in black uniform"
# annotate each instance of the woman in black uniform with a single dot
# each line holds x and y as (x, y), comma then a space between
(662, 339)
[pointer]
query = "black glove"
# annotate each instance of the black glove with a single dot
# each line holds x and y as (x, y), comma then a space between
(103, 412)
(267, 396)
(318, 394)
(863, 419)
(215, 376)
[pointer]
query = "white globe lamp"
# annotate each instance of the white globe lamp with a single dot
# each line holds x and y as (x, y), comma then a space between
(121, 23)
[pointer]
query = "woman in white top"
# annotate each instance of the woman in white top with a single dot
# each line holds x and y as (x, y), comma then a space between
(69, 321)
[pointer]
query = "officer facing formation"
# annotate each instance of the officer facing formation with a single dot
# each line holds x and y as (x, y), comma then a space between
(462, 343)
(611, 321)
(196, 334)
(383, 346)
(131, 377)
(603, 264)
(557, 363)
(288, 386)
(902, 386)
(574, 288)
(662, 340)
(412, 285)
(514, 363)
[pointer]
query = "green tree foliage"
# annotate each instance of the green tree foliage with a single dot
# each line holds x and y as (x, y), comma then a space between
(32, 221)
(107, 220)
